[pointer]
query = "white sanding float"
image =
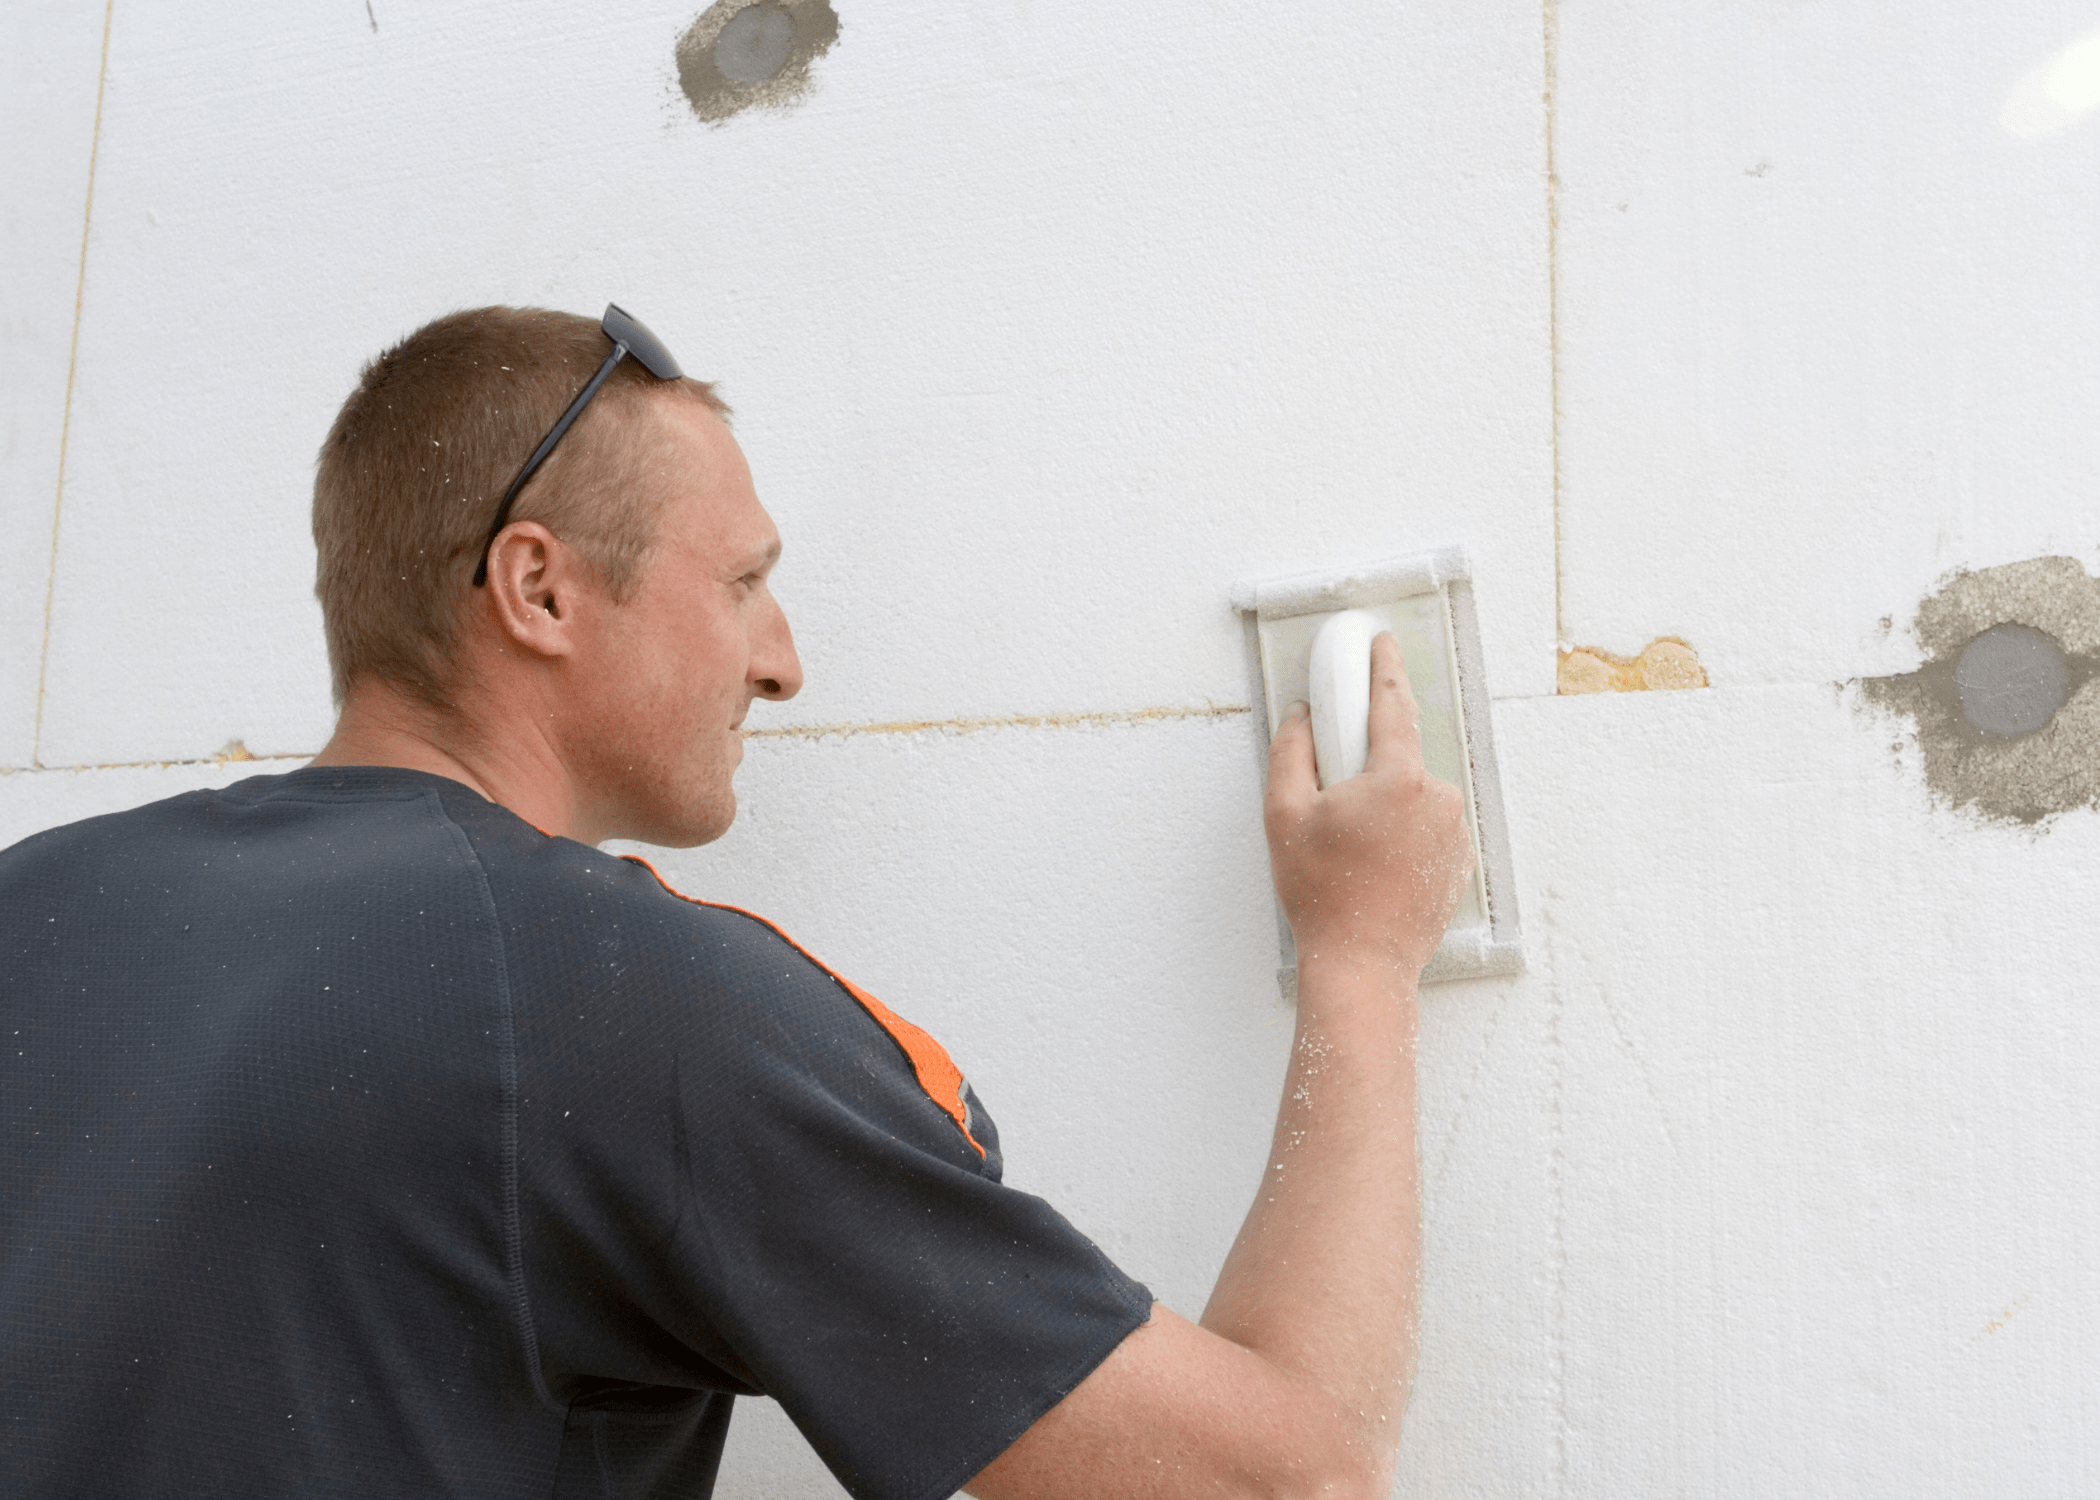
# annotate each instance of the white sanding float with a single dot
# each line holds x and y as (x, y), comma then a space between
(1312, 633)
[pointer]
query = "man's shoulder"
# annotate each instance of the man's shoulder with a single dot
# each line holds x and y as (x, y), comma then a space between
(374, 825)
(135, 837)
(608, 921)
(606, 943)
(549, 887)
(63, 840)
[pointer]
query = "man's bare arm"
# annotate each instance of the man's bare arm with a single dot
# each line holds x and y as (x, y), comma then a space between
(1295, 1381)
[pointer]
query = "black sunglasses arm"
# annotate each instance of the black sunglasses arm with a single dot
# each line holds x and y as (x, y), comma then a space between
(539, 456)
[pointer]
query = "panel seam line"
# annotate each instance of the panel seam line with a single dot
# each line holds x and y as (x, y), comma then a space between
(1550, 15)
(1131, 717)
(65, 420)
(1078, 720)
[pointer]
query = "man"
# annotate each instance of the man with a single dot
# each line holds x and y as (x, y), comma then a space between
(371, 1133)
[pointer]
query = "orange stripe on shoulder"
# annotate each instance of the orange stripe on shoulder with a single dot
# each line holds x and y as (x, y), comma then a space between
(930, 1063)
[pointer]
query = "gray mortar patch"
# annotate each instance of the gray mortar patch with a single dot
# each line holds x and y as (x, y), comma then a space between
(722, 75)
(2011, 778)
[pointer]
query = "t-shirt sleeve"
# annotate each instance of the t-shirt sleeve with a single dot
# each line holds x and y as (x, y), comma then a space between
(849, 1246)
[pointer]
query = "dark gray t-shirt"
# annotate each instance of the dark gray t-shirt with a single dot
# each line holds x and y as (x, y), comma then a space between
(358, 1139)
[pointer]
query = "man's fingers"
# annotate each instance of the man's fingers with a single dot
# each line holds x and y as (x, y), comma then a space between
(1291, 781)
(1396, 731)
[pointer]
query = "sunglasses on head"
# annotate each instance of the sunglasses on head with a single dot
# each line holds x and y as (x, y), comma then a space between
(628, 337)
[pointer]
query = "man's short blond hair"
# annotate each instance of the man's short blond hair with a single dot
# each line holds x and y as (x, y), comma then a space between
(411, 473)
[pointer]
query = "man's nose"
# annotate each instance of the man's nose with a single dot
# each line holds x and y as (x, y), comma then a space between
(776, 671)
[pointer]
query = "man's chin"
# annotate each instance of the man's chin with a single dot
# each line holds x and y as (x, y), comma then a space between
(701, 826)
(718, 825)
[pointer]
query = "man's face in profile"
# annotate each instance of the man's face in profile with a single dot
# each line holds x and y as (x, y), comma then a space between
(664, 680)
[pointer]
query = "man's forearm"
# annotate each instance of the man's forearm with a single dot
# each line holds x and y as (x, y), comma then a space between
(1323, 1281)
(1295, 1382)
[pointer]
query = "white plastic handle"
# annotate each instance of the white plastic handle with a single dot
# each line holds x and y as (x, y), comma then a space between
(1341, 694)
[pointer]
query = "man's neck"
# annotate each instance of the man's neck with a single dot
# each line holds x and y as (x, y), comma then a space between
(383, 725)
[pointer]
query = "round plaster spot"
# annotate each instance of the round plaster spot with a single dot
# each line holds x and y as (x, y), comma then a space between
(2012, 680)
(738, 54)
(2007, 701)
(755, 44)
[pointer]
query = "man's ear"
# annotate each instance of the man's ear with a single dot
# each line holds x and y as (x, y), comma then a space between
(535, 585)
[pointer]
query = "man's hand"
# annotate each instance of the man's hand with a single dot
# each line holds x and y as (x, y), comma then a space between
(1372, 869)
(1295, 1381)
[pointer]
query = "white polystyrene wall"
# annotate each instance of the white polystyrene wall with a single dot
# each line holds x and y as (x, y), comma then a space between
(1044, 324)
